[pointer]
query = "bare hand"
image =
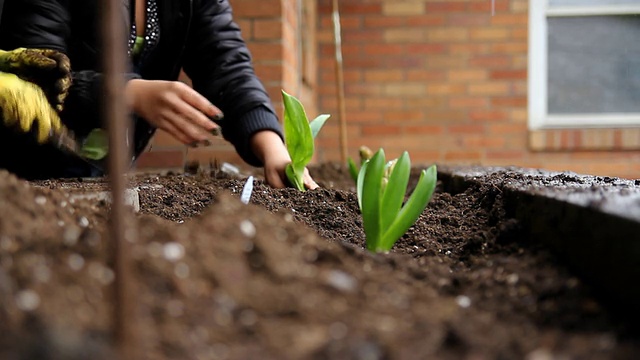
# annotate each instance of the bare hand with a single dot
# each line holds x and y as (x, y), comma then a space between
(268, 146)
(175, 108)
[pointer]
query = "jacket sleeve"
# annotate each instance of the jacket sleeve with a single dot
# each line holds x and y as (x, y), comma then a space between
(46, 24)
(219, 64)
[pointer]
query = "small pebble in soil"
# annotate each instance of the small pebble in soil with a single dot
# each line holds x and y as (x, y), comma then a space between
(463, 301)
(512, 279)
(247, 228)
(71, 235)
(288, 217)
(248, 318)
(83, 222)
(75, 261)
(27, 300)
(41, 200)
(338, 330)
(155, 249)
(101, 273)
(181, 270)
(175, 308)
(218, 351)
(42, 273)
(60, 223)
(8, 244)
(173, 251)
(341, 280)
(75, 293)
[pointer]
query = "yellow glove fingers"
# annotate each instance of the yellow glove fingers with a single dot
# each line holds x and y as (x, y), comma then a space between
(22, 58)
(48, 124)
(23, 103)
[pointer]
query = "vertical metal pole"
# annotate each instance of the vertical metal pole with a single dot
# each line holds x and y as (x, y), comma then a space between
(340, 83)
(114, 45)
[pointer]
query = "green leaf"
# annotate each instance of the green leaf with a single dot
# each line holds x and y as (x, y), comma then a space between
(317, 123)
(393, 195)
(295, 180)
(353, 169)
(299, 139)
(360, 183)
(96, 145)
(411, 211)
(371, 196)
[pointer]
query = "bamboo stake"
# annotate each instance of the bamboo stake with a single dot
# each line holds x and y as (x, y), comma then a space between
(340, 83)
(119, 155)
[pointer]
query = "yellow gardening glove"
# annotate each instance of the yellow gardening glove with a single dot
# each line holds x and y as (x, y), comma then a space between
(23, 103)
(49, 69)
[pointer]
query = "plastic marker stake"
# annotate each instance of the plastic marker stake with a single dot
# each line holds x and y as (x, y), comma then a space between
(246, 191)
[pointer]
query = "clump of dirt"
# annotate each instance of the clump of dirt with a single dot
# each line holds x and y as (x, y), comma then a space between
(286, 277)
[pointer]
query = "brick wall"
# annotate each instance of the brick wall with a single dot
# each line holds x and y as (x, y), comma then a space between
(447, 81)
(271, 29)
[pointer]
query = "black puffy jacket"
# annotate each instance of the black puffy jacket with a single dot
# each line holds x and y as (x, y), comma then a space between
(199, 36)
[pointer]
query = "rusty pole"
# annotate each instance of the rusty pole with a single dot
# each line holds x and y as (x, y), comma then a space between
(119, 155)
(340, 82)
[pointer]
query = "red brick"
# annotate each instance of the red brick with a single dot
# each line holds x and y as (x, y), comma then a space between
(509, 74)
(462, 156)
(467, 129)
(426, 48)
(490, 61)
(384, 21)
(487, 115)
(362, 9)
(257, 9)
(425, 20)
(267, 29)
(383, 49)
(424, 129)
(446, 7)
(486, 6)
(374, 130)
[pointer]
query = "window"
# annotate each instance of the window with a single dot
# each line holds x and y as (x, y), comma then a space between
(584, 63)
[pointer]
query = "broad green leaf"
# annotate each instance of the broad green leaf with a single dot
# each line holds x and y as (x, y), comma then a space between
(396, 189)
(298, 136)
(371, 196)
(412, 209)
(317, 123)
(95, 145)
(293, 178)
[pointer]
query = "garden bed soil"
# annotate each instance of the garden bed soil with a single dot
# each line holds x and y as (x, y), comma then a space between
(286, 277)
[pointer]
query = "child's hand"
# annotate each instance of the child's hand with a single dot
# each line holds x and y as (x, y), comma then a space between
(173, 107)
(268, 146)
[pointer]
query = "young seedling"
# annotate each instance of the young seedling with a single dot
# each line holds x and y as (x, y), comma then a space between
(381, 190)
(299, 134)
(96, 145)
(365, 154)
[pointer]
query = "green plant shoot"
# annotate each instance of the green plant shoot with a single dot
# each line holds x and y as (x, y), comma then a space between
(96, 145)
(299, 134)
(365, 154)
(381, 189)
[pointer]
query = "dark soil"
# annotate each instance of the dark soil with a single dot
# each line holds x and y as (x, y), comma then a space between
(287, 277)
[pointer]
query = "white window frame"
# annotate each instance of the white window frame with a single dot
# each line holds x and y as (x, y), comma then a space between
(539, 117)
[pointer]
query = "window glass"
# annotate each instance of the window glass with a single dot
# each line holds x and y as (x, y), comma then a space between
(593, 64)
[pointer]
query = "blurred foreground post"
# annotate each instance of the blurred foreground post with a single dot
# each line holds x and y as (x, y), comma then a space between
(337, 36)
(119, 157)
